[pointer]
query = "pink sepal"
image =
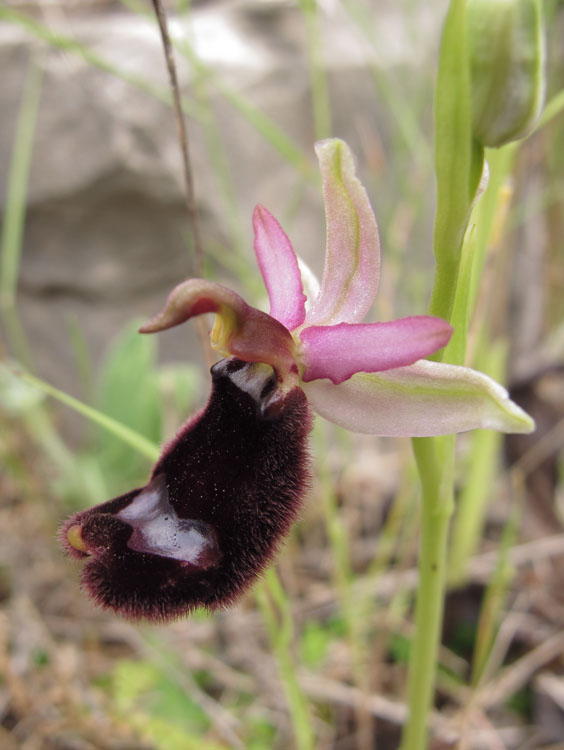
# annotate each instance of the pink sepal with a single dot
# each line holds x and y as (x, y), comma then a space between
(338, 352)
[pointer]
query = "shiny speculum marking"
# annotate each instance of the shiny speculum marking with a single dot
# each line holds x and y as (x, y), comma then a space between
(157, 529)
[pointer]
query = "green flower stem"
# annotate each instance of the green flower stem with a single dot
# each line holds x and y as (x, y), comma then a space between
(435, 462)
(442, 298)
(458, 166)
(456, 158)
(489, 212)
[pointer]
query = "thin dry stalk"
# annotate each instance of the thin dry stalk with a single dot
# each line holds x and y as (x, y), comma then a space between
(518, 674)
(225, 723)
(444, 729)
(480, 568)
(190, 195)
(183, 138)
(549, 444)
(553, 686)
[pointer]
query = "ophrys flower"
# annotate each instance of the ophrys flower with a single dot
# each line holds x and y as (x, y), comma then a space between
(228, 487)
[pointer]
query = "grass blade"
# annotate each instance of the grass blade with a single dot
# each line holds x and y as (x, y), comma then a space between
(14, 214)
(134, 439)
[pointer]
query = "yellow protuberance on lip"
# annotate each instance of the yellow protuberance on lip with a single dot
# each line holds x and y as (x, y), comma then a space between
(74, 537)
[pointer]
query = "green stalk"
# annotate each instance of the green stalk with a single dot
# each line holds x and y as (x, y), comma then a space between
(490, 358)
(126, 434)
(273, 601)
(480, 477)
(554, 107)
(354, 610)
(495, 599)
(407, 130)
(435, 462)
(14, 215)
(458, 165)
(319, 87)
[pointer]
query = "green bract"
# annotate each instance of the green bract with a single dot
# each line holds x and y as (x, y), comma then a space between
(506, 49)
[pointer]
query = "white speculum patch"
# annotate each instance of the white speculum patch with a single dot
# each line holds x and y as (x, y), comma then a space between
(157, 530)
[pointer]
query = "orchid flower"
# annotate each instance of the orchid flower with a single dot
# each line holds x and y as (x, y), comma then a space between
(227, 488)
(367, 377)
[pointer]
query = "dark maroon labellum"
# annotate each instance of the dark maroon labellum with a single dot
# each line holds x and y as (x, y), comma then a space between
(220, 499)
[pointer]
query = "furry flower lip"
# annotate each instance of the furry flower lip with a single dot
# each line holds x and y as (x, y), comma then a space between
(367, 377)
(219, 501)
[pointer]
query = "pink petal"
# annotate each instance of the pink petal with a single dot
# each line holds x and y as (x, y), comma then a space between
(244, 332)
(337, 352)
(426, 398)
(352, 260)
(279, 268)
